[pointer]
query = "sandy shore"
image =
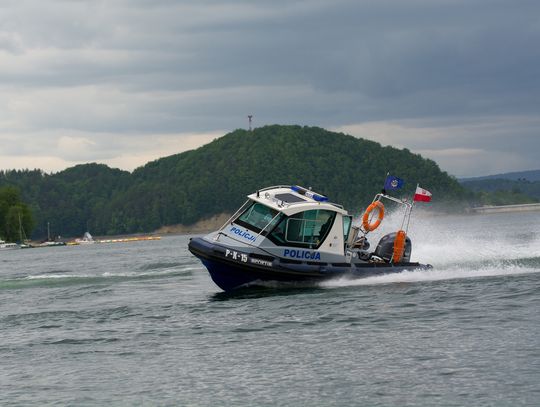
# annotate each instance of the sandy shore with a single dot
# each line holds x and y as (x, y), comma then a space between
(202, 226)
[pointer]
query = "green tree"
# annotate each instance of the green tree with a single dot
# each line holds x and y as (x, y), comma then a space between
(15, 216)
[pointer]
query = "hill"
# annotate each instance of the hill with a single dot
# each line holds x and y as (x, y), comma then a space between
(510, 187)
(215, 178)
(532, 176)
(528, 190)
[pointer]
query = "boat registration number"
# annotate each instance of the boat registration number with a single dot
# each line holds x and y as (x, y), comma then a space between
(244, 258)
(233, 254)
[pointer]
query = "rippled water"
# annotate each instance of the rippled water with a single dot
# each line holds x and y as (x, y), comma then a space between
(142, 323)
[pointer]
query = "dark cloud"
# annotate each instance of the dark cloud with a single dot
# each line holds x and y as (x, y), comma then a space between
(161, 67)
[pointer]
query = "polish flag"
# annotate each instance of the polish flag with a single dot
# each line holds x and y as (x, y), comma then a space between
(422, 195)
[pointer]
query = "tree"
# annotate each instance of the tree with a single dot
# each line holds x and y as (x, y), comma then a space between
(15, 216)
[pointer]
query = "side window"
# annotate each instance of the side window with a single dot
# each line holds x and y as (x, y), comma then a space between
(304, 229)
(347, 220)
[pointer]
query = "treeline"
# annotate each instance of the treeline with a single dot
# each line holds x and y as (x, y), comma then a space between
(72, 201)
(15, 216)
(215, 178)
(504, 191)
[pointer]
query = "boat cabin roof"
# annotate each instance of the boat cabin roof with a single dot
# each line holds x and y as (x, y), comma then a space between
(293, 199)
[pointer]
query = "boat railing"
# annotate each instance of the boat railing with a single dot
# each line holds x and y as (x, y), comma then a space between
(229, 221)
(391, 198)
(274, 187)
(282, 203)
(404, 203)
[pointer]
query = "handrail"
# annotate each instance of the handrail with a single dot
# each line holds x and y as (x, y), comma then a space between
(230, 219)
(274, 187)
(391, 198)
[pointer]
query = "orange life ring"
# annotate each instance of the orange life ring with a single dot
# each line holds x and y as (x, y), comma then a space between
(368, 227)
(399, 246)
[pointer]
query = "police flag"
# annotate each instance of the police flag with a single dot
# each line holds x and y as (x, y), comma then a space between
(392, 183)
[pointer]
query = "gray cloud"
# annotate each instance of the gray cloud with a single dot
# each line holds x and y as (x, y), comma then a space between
(78, 69)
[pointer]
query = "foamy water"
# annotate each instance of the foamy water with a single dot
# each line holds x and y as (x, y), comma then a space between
(461, 247)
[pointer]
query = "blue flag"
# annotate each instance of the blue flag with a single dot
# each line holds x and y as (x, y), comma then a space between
(392, 183)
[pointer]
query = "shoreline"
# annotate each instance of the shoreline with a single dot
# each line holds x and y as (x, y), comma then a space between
(202, 226)
(480, 210)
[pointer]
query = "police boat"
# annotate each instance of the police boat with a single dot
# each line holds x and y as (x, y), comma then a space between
(292, 234)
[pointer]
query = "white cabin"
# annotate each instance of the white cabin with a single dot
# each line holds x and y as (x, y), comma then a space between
(291, 222)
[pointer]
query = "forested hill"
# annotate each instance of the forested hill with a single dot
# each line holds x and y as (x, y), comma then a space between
(531, 176)
(215, 178)
(494, 186)
(70, 200)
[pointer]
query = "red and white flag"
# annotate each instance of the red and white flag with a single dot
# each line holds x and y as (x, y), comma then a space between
(422, 195)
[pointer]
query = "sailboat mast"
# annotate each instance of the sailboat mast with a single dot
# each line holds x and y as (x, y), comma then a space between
(20, 228)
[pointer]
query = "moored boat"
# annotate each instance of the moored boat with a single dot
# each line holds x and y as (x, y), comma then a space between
(86, 239)
(8, 246)
(292, 234)
(50, 242)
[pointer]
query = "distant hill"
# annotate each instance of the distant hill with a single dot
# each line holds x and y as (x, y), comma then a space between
(529, 189)
(533, 175)
(524, 186)
(215, 178)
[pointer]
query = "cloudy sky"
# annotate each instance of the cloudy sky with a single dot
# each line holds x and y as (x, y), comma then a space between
(123, 82)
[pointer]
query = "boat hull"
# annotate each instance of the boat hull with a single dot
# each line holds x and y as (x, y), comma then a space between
(231, 269)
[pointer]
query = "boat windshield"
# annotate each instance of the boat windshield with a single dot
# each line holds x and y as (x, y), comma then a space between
(258, 217)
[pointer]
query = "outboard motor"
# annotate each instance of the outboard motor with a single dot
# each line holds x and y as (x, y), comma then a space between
(385, 248)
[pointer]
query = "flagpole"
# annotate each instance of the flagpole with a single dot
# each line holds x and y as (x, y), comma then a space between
(384, 185)
(410, 211)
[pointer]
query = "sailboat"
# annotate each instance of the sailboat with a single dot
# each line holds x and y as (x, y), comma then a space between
(49, 242)
(23, 241)
(8, 245)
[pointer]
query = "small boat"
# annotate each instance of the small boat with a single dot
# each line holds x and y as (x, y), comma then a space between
(86, 239)
(292, 234)
(24, 243)
(8, 246)
(49, 242)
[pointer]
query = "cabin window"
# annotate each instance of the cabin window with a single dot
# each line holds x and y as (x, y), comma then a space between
(305, 229)
(258, 217)
(347, 221)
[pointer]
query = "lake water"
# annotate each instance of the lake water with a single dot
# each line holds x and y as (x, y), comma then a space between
(142, 324)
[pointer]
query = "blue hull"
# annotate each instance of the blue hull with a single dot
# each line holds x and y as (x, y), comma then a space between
(232, 272)
(229, 276)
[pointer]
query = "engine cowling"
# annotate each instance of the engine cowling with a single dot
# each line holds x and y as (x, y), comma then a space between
(385, 248)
